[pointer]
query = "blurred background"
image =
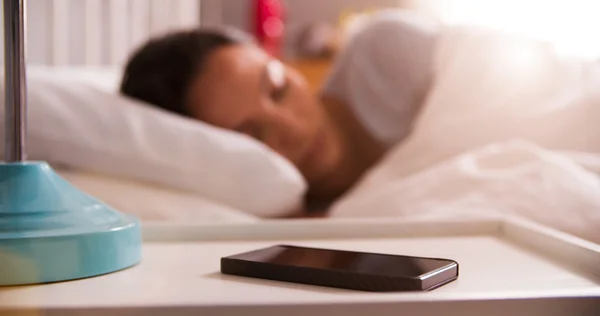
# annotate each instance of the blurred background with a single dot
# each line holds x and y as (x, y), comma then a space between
(78, 31)
(570, 24)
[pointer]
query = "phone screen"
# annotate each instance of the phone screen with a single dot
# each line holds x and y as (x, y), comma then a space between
(358, 262)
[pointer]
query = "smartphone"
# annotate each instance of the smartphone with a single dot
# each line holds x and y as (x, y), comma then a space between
(362, 271)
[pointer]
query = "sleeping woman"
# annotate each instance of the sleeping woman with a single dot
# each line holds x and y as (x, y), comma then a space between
(368, 103)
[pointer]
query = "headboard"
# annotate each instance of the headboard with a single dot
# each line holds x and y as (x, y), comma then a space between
(100, 32)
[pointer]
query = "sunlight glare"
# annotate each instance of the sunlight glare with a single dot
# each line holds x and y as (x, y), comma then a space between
(573, 27)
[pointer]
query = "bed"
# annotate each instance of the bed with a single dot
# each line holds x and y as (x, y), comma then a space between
(416, 180)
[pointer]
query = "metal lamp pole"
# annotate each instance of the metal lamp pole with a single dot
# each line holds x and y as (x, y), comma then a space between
(15, 83)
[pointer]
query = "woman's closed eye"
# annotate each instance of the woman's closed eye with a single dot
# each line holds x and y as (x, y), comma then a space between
(279, 93)
(277, 81)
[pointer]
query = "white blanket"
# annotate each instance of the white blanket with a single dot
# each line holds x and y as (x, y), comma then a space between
(462, 160)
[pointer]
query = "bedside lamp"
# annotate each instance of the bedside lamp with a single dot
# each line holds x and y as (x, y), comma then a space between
(49, 230)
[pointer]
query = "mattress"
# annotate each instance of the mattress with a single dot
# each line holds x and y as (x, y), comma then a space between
(153, 203)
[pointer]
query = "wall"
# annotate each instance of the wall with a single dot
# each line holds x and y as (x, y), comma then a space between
(300, 12)
(98, 32)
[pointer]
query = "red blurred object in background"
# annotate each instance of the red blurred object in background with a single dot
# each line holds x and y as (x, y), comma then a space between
(269, 25)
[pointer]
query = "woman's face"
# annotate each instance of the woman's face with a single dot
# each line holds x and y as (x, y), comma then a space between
(243, 89)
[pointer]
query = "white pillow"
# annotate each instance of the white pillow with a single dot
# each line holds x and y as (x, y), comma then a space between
(77, 122)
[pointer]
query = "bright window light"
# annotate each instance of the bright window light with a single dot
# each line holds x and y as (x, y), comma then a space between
(572, 26)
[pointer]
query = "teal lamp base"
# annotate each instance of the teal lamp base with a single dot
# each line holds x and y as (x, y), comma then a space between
(50, 231)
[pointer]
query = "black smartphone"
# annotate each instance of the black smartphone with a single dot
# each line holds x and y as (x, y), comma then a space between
(373, 272)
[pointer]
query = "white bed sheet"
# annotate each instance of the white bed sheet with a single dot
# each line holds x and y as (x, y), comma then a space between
(512, 179)
(153, 203)
(509, 128)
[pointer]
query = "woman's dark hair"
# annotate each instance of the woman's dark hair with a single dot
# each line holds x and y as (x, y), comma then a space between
(161, 71)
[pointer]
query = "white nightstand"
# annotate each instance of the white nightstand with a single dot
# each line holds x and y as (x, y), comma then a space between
(507, 267)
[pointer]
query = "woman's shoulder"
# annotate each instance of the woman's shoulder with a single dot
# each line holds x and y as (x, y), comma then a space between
(386, 38)
(388, 45)
(385, 71)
